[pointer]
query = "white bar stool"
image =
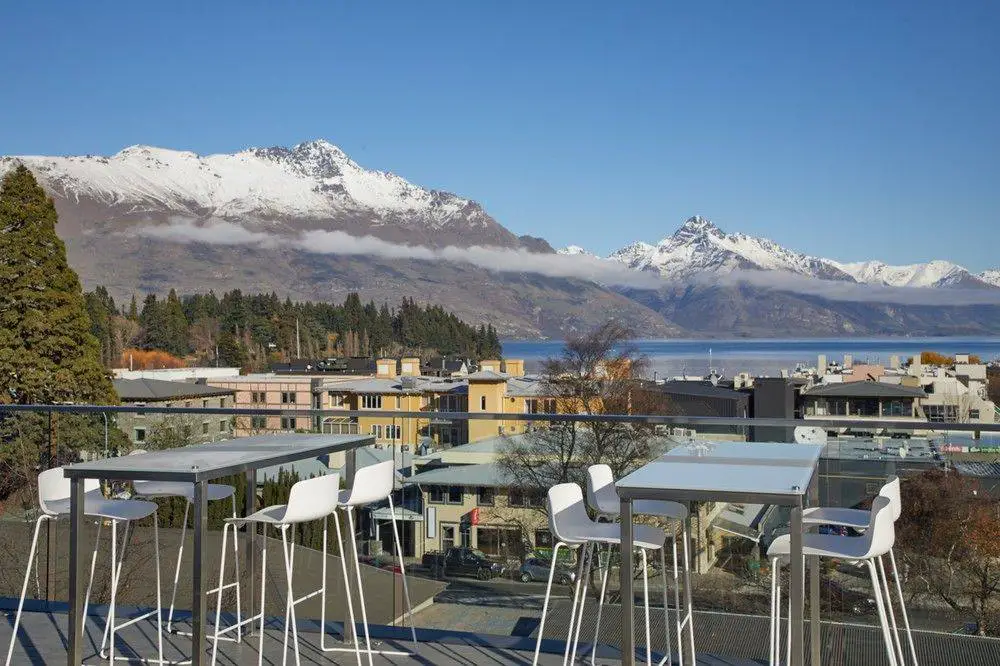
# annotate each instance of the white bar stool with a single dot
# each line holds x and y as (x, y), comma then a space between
(216, 492)
(603, 498)
(373, 483)
(859, 519)
(572, 528)
(878, 538)
(54, 503)
(308, 500)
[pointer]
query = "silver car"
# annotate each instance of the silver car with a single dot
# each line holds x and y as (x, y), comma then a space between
(537, 569)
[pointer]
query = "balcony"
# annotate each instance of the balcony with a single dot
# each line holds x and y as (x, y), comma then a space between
(462, 620)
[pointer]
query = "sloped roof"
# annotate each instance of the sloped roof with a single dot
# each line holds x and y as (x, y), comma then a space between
(151, 390)
(486, 474)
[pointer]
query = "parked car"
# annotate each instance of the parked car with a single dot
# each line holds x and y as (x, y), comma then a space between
(537, 569)
(463, 562)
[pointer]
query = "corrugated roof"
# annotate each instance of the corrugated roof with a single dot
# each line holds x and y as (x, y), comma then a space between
(151, 390)
(980, 469)
(702, 389)
(487, 375)
(864, 390)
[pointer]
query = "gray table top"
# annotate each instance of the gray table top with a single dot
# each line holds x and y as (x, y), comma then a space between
(203, 462)
(765, 472)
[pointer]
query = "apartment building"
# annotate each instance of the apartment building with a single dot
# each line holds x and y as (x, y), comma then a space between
(270, 391)
(138, 426)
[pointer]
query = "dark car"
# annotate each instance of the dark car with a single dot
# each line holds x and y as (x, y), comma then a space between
(462, 562)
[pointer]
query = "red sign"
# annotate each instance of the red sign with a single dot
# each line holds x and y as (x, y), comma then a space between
(474, 516)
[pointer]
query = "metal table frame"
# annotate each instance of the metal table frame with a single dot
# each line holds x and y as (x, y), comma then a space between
(794, 498)
(280, 449)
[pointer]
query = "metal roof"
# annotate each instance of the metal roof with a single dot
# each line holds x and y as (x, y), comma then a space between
(151, 390)
(486, 474)
(702, 389)
(980, 469)
(864, 390)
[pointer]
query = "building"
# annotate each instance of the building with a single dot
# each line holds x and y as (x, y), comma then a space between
(703, 398)
(156, 392)
(177, 374)
(863, 400)
(270, 391)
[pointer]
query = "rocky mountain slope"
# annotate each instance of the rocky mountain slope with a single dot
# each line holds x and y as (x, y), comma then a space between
(122, 219)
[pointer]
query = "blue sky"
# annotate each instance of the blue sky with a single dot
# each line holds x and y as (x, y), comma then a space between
(845, 129)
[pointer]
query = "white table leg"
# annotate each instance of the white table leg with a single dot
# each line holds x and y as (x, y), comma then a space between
(628, 599)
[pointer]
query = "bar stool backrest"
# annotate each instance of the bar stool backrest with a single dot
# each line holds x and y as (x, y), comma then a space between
(53, 486)
(602, 496)
(371, 484)
(891, 492)
(568, 518)
(881, 532)
(312, 499)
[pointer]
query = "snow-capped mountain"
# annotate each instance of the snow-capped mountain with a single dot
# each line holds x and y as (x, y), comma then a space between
(700, 247)
(314, 182)
(991, 277)
(932, 274)
(575, 251)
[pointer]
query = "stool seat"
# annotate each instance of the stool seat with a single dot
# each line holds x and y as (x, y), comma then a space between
(823, 545)
(272, 515)
(648, 538)
(828, 515)
(660, 509)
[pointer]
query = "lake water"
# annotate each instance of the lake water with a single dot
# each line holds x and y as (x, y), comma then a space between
(766, 356)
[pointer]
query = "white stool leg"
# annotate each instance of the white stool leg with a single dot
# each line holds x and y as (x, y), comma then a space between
(679, 608)
(361, 591)
(177, 568)
(236, 569)
(24, 587)
(576, 597)
(218, 594)
(883, 618)
(545, 604)
(289, 571)
(159, 600)
(116, 570)
(600, 603)
(350, 603)
(110, 624)
(666, 608)
(583, 600)
(93, 565)
(902, 607)
(402, 572)
(645, 599)
(773, 620)
(688, 605)
(263, 589)
(892, 612)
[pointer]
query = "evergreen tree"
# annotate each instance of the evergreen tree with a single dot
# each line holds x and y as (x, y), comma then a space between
(133, 310)
(47, 351)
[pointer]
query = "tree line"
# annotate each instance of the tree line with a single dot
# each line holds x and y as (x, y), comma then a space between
(253, 330)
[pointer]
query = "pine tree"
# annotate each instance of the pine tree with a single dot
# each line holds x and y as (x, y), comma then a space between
(47, 351)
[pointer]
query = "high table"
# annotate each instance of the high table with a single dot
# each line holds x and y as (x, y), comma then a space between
(751, 472)
(197, 464)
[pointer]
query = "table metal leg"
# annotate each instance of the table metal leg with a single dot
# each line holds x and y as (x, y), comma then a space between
(250, 567)
(796, 587)
(74, 655)
(628, 599)
(198, 564)
(815, 647)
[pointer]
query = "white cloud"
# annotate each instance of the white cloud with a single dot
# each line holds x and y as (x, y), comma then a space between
(582, 267)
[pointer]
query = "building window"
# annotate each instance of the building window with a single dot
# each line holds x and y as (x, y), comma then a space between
(287, 423)
(482, 403)
(942, 413)
(486, 496)
(258, 422)
(204, 404)
(447, 537)
(974, 414)
(455, 494)
(288, 397)
(258, 397)
(204, 428)
(222, 402)
(376, 430)
(540, 406)
(139, 435)
(399, 402)
(223, 425)
(393, 431)
(543, 539)
(336, 399)
(371, 401)
(444, 494)
(531, 498)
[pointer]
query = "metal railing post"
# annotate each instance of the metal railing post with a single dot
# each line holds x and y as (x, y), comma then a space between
(50, 525)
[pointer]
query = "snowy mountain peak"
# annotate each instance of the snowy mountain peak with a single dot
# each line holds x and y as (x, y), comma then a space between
(312, 180)
(575, 250)
(991, 277)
